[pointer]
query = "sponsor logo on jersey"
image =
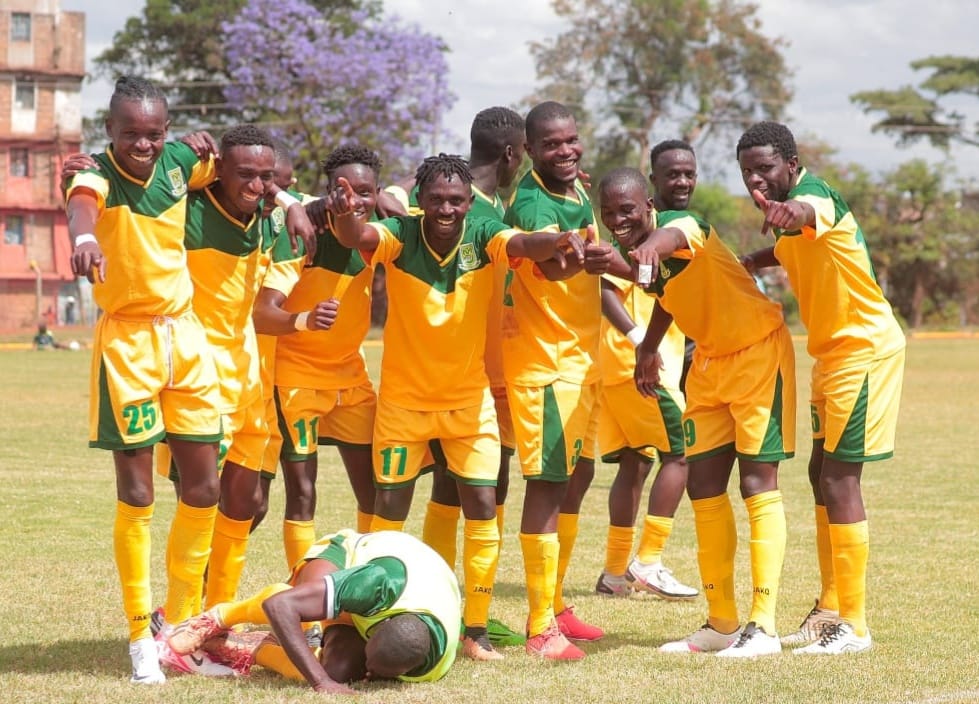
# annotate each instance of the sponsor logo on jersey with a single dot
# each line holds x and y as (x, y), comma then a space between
(177, 183)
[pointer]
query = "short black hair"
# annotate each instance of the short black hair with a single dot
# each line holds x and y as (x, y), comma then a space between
(493, 129)
(351, 154)
(246, 136)
(623, 174)
(136, 88)
(668, 145)
(404, 642)
(283, 152)
(769, 134)
(448, 165)
(543, 113)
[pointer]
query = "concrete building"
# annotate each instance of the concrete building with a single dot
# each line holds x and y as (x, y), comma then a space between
(42, 64)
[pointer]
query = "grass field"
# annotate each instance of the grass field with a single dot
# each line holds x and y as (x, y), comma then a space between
(63, 636)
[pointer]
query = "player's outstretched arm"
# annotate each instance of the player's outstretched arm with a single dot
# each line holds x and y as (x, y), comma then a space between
(660, 245)
(348, 229)
(286, 612)
(785, 215)
(86, 256)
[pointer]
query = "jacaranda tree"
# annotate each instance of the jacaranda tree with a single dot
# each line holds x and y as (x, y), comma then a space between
(320, 82)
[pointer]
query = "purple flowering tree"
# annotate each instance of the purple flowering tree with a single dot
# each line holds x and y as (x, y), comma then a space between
(319, 82)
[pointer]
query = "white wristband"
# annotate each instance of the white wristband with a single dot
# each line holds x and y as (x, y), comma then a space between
(284, 200)
(301, 323)
(85, 238)
(636, 335)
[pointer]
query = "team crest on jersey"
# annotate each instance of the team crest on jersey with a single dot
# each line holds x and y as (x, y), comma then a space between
(278, 219)
(664, 271)
(177, 183)
(468, 259)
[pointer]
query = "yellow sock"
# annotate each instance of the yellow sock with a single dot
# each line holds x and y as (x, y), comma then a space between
(190, 546)
(656, 531)
(227, 558)
(378, 523)
(828, 598)
(248, 610)
(439, 530)
(540, 555)
(480, 556)
(272, 656)
(766, 516)
(851, 550)
(364, 521)
(131, 545)
(618, 549)
(717, 540)
(567, 533)
(297, 538)
(500, 511)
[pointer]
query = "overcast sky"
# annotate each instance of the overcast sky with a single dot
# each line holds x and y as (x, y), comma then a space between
(837, 47)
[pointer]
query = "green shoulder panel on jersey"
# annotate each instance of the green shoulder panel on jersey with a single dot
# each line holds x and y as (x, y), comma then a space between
(417, 260)
(167, 185)
(533, 207)
(810, 185)
(210, 227)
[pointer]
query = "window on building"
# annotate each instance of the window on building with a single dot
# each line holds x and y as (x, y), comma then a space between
(24, 95)
(13, 232)
(20, 26)
(20, 160)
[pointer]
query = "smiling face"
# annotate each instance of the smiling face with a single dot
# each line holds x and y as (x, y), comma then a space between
(137, 130)
(626, 210)
(764, 169)
(244, 172)
(556, 151)
(674, 177)
(363, 181)
(445, 202)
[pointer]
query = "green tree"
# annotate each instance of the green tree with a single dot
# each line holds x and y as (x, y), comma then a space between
(699, 67)
(914, 114)
(178, 43)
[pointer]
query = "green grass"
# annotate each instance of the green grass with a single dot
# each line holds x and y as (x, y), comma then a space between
(63, 636)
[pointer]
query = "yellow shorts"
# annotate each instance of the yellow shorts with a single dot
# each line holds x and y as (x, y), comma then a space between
(270, 462)
(151, 380)
(503, 419)
(554, 426)
(628, 420)
(246, 436)
(311, 417)
(745, 400)
(854, 410)
(468, 438)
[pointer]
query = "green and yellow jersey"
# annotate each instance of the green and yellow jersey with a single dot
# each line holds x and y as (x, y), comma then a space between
(140, 229)
(387, 573)
(492, 207)
(842, 306)
(227, 260)
(710, 295)
(322, 359)
(435, 335)
(551, 329)
(618, 356)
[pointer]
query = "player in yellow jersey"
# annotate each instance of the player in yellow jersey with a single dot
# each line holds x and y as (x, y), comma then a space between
(551, 331)
(153, 376)
(497, 147)
(858, 348)
(740, 406)
(323, 393)
(433, 378)
(390, 603)
(631, 428)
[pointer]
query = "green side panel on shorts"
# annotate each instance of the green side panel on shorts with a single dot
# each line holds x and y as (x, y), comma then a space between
(336, 551)
(673, 421)
(710, 453)
(852, 444)
(109, 437)
(554, 463)
(773, 446)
